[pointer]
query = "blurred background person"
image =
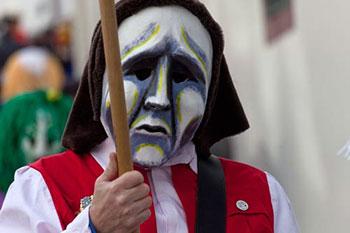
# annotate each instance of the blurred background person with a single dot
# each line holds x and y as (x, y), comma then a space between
(41, 23)
(31, 127)
(35, 71)
(34, 110)
(30, 69)
(61, 42)
(11, 37)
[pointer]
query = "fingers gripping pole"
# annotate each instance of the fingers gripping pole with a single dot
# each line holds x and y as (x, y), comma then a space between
(116, 87)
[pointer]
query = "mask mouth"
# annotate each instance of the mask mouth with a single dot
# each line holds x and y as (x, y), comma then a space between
(152, 129)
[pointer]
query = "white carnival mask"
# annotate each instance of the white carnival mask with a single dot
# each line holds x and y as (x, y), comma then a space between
(167, 61)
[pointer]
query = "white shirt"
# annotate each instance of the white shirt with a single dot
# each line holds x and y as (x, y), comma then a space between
(28, 206)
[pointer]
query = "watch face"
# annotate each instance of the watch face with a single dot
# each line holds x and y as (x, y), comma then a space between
(167, 61)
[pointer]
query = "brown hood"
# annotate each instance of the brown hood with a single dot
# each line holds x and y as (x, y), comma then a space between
(224, 115)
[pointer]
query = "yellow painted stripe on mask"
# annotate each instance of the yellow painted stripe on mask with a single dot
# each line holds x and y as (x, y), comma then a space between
(138, 120)
(178, 99)
(197, 56)
(142, 43)
(134, 103)
(194, 119)
(150, 145)
(166, 88)
(166, 123)
(160, 83)
(108, 103)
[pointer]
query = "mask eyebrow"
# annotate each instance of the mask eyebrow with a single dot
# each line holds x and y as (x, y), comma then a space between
(144, 59)
(196, 50)
(151, 30)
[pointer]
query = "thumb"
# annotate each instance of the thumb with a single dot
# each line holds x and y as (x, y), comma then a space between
(111, 171)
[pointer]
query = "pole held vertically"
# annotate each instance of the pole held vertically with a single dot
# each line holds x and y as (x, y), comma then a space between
(116, 86)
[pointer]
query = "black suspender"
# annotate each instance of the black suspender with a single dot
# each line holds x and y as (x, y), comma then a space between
(211, 197)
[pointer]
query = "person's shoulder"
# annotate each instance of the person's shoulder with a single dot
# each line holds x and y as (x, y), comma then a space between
(68, 154)
(244, 180)
(237, 168)
(68, 169)
(64, 160)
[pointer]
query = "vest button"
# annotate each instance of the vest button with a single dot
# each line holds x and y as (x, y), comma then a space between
(242, 205)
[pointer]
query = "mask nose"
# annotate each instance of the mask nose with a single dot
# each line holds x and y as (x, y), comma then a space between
(158, 99)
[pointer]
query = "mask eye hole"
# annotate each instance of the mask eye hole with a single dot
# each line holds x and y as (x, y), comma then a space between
(143, 74)
(180, 77)
(180, 73)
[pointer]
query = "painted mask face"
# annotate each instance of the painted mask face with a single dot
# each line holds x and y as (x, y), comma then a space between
(167, 61)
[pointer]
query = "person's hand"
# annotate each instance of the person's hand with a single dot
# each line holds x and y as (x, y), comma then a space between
(122, 204)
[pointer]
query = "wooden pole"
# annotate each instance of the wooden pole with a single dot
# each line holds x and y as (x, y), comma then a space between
(116, 86)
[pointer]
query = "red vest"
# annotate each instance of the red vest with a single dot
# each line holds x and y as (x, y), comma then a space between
(71, 177)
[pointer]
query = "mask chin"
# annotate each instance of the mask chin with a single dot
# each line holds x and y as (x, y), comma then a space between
(183, 155)
(150, 160)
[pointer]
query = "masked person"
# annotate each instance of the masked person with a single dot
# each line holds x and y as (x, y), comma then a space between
(180, 100)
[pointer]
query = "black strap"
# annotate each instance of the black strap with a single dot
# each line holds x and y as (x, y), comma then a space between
(211, 197)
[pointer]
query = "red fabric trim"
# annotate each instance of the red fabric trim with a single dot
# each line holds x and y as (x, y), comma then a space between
(149, 225)
(185, 183)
